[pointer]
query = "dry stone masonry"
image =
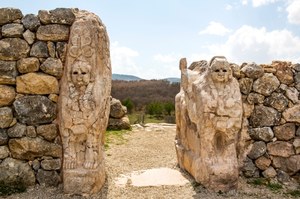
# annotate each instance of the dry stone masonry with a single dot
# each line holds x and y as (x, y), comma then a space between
(38, 77)
(267, 137)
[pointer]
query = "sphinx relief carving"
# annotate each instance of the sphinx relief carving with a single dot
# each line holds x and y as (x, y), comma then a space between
(84, 105)
(209, 118)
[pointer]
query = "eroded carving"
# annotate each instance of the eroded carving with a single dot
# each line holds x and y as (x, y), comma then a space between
(209, 117)
(84, 105)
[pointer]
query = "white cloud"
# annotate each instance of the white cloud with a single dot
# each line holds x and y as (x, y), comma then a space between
(259, 45)
(244, 2)
(215, 28)
(122, 59)
(257, 3)
(166, 58)
(293, 10)
(168, 64)
(228, 7)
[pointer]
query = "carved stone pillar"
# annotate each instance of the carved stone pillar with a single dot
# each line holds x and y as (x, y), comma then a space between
(84, 105)
(209, 117)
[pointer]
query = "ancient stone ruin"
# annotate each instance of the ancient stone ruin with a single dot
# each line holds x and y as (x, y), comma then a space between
(118, 120)
(245, 117)
(209, 117)
(84, 105)
(54, 64)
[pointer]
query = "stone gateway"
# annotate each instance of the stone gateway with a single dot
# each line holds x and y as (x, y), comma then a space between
(84, 105)
(209, 117)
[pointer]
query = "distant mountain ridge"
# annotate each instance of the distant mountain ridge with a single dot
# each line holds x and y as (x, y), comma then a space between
(135, 78)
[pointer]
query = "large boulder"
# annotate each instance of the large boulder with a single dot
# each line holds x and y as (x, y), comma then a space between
(12, 30)
(53, 67)
(34, 110)
(30, 148)
(13, 49)
(118, 124)
(117, 110)
(58, 16)
(8, 15)
(6, 117)
(31, 22)
(8, 72)
(7, 95)
(292, 114)
(253, 70)
(280, 148)
(266, 84)
(53, 32)
(27, 65)
(263, 116)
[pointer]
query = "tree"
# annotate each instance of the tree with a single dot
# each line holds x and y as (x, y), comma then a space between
(129, 104)
(155, 108)
(169, 107)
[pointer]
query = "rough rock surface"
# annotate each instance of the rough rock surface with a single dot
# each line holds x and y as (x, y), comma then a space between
(58, 16)
(53, 67)
(8, 15)
(12, 30)
(48, 178)
(6, 117)
(53, 32)
(117, 110)
(209, 117)
(27, 65)
(13, 49)
(34, 110)
(17, 131)
(7, 95)
(264, 134)
(8, 72)
(31, 22)
(39, 49)
(280, 148)
(48, 131)
(118, 124)
(266, 84)
(263, 116)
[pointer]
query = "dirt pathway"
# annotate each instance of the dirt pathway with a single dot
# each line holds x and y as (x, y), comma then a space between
(148, 148)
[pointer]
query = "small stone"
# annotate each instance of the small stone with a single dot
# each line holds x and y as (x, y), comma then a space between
(269, 173)
(262, 134)
(283, 177)
(39, 49)
(13, 49)
(263, 163)
(36, 165)
(292, 94)
(284, 72)
(53, 67)
(12, 30)
(266, 84)
(61, 50)
(255, 98)
(8, 15)
(296, 145)
(51, 164)
(30, 148)
(37, 83)
(246, 85)
(28, 65)
(53, 32)
(31, 22)
(48, 131)
(34, 110)
(16, 171)
(4, 152)
(292, 114)
(285, 132)
(249, 169)
(8, 72)
(268, 68)
(258, 149)
(280, 148)
(248, 109)
(263, 116)
(59, 16)
(51, 49)
(29, 36)
(6, 117)
(277, 101)
(30, 131)
(48, 178)
(252, 70)
(3, 137)
(7, 95)
(17, 131)
(53, 98)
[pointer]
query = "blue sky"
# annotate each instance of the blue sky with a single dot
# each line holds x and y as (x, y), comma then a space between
(149, 37)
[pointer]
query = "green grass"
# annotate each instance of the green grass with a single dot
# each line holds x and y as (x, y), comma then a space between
(115, 137)
(274, 186)
(258, 181)
(294, 193)
(9, 189)
(135, 117)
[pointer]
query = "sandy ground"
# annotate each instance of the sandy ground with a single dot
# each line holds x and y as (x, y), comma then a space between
(148, 148)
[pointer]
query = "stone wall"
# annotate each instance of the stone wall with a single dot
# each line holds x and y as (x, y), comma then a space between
(270, 140)
(32, 55)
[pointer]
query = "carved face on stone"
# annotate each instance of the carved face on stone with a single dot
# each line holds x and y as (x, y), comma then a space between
(220, 71)
(81, 74)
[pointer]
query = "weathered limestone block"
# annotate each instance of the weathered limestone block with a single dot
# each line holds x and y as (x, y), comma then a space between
(4, 137)
(17, 131)
(53, 67)
(249, 169)
(266, 84)
(4, 152)
(51, 164)
(58, 16)
(48, 178)
(29, 36)
(296, 145)
(34, 110)
(253, 70)
(61, 49)
(30, 148)
(30, 131)
(255, 98)
(280, 148)
(209, 116)
(285, 132)
(262, 163)
(16, 172)
(290, 165)
(31, 22)
(8, 15)
(13, 49)
(6, 117)
(12, 30)
(277, 101)
(53, 32)
(48, 131)
(8, 72)
(7, 95)
(269, 173)
(39, 49)
(291, 93)
(51, 49)
(284, 72)
(264, 134)
(292, 114)
(117, 110)
(27, 65)
(263, 116)
(246, 85)
(84, 105)
(37, 83)
(119, 124)
(258, 149)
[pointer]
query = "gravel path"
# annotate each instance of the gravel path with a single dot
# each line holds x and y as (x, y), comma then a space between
(148, 148)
